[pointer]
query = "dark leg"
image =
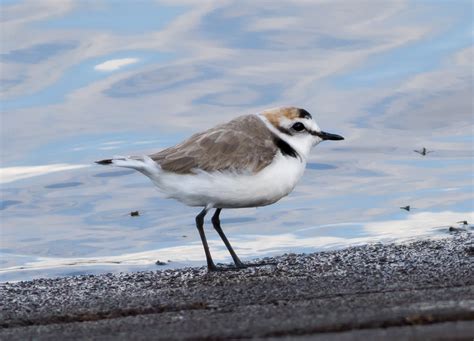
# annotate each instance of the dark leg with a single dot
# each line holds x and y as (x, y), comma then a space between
(200, 226)
(217, 225)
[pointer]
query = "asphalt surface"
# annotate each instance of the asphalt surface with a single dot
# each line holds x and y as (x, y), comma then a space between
(422, 290)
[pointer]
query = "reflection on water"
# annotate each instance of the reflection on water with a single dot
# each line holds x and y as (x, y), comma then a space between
(114, 173)
(7, 203)
(319, 166)
(390, 77)
(64, 184)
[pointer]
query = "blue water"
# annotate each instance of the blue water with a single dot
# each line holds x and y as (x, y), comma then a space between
(86, 81)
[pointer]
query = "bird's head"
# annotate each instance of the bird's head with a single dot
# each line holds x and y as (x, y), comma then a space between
(297, 127)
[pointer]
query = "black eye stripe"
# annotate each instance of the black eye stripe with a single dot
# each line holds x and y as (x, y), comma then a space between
(285, 131)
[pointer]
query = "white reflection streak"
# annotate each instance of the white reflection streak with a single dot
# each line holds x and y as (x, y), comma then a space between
(417, 224)
(115, 64)
(10, 174)
(250, 246)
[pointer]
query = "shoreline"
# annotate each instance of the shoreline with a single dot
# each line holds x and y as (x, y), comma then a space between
(142, 261)
(408, 288)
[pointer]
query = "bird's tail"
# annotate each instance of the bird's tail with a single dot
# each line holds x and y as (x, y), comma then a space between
(140, 163)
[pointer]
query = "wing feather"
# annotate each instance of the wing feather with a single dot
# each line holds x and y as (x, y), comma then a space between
(229, 147)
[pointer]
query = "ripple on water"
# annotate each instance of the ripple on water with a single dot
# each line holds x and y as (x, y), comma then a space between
(237, 220)
(320, 166)
(64, 185)
(114, 173)
(4, 204)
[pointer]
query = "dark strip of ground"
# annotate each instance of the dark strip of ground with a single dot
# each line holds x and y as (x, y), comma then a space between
(420, 290)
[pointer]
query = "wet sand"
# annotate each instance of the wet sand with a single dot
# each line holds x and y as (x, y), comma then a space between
(419, 290)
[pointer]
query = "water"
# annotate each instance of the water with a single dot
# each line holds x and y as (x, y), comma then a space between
(87, 80)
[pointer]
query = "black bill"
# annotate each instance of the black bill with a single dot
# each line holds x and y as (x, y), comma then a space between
(327, 136)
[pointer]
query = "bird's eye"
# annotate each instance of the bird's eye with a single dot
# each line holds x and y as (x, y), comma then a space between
(298, 126)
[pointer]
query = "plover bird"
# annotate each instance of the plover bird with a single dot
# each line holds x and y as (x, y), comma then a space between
(423, 151)
(253, 160)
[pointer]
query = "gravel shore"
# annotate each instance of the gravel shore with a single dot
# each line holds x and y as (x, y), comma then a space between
(423, 289)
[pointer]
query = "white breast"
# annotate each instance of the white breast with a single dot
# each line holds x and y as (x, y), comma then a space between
(230, 190)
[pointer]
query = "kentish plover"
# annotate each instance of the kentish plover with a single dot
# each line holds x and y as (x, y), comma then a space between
(253, 160)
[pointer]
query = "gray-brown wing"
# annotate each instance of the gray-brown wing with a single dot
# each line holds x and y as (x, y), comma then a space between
(242, 145)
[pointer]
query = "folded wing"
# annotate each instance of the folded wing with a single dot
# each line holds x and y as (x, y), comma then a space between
(233, 146)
